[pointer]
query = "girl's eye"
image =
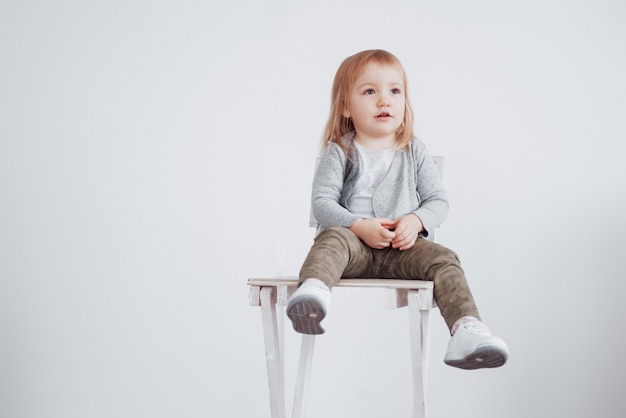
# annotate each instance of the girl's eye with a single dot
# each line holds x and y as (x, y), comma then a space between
(396, 91)
(369, 91)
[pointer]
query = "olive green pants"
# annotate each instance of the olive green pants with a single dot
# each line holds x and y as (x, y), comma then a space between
(338, 252)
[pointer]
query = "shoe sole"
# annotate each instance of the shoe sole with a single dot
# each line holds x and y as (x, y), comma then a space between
(483, 358)
(306, 316)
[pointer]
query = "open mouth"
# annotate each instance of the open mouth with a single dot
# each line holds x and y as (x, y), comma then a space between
(384, 115)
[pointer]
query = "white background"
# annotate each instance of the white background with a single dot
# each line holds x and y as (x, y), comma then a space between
(154, 155)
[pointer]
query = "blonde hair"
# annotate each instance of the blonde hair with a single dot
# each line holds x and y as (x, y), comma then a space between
(347, 73)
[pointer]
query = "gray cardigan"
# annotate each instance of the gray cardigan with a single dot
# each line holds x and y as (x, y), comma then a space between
(412, 185)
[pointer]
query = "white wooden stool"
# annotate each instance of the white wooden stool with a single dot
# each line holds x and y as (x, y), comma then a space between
(271, 292)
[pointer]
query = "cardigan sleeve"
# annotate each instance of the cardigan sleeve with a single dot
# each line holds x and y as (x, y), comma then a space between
(433, 200)
(326, 193)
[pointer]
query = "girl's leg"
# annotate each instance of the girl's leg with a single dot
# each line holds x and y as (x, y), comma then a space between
(336, 252)
(472, 346)
(427, 260)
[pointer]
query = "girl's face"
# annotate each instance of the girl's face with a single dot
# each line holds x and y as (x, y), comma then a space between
(376, 105)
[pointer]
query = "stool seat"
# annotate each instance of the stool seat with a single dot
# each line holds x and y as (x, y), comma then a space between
(271, 292)
(397, 289)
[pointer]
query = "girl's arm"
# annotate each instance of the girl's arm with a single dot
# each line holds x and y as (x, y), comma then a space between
(327, 188)
(433, 207)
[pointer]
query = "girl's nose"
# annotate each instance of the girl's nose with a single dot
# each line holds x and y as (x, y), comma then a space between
(383, 101)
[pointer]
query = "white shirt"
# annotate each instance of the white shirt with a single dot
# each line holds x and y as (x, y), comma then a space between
(373, 167)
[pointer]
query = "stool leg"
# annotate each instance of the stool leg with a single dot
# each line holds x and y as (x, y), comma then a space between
(272, 352)
(304, 374)
(418, 327)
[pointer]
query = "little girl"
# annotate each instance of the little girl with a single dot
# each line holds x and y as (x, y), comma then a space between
(376, 196)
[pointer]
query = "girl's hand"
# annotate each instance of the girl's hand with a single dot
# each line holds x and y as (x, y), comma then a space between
(407, 230)
(375, 232)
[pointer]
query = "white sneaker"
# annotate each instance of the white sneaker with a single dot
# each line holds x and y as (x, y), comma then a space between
(308, 306)
(473, 347)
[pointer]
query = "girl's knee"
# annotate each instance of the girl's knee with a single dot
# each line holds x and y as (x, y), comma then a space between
(448, 253)
(339, 238)
(441, 254)
(336, 232)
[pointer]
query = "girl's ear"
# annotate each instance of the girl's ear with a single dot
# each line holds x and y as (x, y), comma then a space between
(345, 112)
